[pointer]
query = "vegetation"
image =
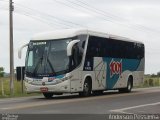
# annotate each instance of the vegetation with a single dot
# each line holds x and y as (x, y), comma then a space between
(1, 72)
(17, 88)
(158, 74)
(149, 81)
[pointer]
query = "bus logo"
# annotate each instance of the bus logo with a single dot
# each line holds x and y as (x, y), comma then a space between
(115, 67)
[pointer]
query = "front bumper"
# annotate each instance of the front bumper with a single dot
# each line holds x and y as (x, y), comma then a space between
(62, 87)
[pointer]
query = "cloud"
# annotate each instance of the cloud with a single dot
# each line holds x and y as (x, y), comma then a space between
(136, 19)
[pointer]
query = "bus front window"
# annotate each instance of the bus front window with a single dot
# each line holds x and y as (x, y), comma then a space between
(57, 57)
(47, 58)
(34, 61)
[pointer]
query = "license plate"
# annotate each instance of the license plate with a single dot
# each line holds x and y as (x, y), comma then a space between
(44, 89)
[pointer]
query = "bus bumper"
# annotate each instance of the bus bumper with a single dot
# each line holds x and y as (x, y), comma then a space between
(62, 87)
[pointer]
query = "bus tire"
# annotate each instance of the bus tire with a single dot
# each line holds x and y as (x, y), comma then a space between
(48, 95)
(129, 86)
(87, 88)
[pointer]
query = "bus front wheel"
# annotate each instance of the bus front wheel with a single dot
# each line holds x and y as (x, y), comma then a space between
(48, 95)
(87, 88)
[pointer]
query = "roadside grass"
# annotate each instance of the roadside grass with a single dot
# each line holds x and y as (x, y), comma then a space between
(17, 89)
(148, 82)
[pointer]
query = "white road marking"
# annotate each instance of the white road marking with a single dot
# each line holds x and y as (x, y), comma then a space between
(133, 107)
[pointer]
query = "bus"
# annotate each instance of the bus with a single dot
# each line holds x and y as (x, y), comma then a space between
(82, 61)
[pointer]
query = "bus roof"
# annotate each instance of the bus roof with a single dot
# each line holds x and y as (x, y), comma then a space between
(68, 33)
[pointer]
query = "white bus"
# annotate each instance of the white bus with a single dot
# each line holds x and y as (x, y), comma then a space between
(82, 61)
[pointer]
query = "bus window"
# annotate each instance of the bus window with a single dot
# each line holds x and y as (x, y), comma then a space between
(76, 57)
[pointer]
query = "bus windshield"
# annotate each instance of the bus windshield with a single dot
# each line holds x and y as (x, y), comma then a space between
(47, 58)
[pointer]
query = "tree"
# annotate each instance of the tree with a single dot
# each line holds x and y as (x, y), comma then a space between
(158, 73)
(1, 72)
(2, 75)
(153, 75)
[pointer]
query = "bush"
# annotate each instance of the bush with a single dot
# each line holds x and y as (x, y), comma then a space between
(151, 82)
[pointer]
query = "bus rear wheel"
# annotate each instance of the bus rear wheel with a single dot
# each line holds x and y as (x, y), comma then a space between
(129, 86)
(48, 95)
(87, 88)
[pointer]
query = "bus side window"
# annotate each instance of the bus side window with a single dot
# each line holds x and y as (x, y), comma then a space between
(75, 60)
(95, 47)
(89, 49)
(83, 44)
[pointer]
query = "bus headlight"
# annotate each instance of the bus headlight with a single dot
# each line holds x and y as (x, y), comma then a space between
(28, 80)
(66, 78)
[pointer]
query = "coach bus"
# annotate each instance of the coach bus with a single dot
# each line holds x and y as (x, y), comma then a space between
(82, 61)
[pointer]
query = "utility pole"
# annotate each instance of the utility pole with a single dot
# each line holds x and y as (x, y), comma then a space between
(11, 8)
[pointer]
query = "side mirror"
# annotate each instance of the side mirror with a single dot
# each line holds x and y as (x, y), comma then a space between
(70, 46)
(20, 51)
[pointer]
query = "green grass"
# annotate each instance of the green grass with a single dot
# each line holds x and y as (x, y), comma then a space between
(17, 89)
(152, 81)
(148, 82)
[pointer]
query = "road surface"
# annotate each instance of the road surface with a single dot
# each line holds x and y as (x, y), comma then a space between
(139, 101)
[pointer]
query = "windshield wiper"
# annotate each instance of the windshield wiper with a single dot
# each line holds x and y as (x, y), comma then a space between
(51, 66)
(37, 65)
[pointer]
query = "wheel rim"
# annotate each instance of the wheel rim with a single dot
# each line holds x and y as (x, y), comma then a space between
(86, 87)
(129, 86)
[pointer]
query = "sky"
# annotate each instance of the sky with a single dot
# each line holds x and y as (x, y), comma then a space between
(135, 19)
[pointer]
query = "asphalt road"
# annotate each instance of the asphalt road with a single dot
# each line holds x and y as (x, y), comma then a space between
(139, 101)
